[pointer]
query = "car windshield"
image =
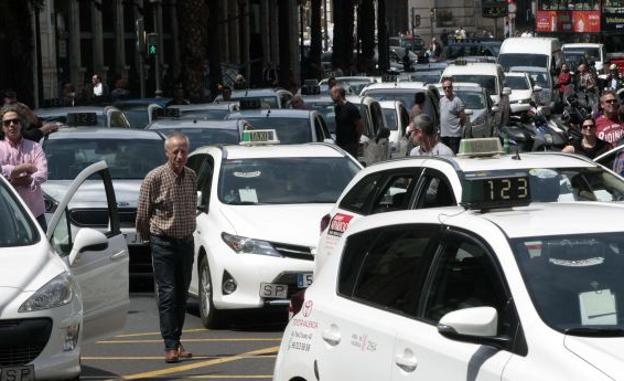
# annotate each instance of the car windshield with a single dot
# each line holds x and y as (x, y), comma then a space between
(425, 77)
(391, 118)
(200, 137)
(540, 79)
(328, 112)
(569, 184)
(17, 227)
(517, 83)
(593, 53)
(356, 85)
(508, 60)
(127, 159)
(472, 100)
(289, 130)
(575, 281)
(284, 180)
(488, 82)
(137, 116)
(266, 102)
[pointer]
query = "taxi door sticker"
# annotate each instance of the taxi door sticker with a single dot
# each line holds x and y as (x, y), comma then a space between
(339, 224)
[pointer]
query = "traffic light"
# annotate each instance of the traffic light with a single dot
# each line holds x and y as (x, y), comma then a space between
(152, 44)
(140, 34)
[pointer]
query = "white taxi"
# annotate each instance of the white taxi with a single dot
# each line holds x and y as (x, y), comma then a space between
(428, 182)
(258, 217)
(468, 293)
(58, 290)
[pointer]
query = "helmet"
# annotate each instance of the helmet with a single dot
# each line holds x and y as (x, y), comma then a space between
(613, 67)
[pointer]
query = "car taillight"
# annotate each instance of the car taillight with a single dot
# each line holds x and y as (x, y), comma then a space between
(296, 303)
(325, 222)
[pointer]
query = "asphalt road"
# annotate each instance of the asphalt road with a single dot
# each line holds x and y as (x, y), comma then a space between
(246, 350)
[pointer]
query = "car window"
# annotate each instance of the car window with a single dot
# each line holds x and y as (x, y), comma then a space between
(378, 119)
(396, 192)
(17, 227)
(390, 272)
(61, 237)
(355, 199)
(436, 192)
(117, 120)
(465, 277)
(203, 166)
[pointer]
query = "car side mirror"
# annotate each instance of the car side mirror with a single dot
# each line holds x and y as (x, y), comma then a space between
(495, 108)
(506, 90)
(468, 112)
(201, 206)
(537, 88)
(478, 325)
(87, 239)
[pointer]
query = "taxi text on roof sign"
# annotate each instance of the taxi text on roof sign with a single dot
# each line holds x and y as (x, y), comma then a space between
(480, 147)
(257, 137)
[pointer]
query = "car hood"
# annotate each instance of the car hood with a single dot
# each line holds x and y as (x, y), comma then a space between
(26, 268)
(91, 193)
(295, 224)
(519, 94)
(606, 354)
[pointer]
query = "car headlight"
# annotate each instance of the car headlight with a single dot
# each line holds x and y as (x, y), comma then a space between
(57, 292)
(244, 245)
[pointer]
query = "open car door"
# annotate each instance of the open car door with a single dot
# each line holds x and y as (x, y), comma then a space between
(99, 260)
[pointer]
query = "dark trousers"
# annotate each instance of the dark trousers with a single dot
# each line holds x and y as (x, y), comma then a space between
(172, 260)
(42, 222)
(451, 142)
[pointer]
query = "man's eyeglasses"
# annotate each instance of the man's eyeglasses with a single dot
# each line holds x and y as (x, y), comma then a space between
(611, 101)
(8, 122)
(446, 87)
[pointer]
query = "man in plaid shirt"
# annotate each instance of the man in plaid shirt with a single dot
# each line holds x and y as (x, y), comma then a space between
(166, 217)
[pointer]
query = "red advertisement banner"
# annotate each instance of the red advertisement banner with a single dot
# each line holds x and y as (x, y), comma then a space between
(568, 21)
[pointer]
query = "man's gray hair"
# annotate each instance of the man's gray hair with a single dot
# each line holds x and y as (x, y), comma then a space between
(177, 136)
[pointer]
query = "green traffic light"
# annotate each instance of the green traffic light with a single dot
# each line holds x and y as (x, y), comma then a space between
(152, 49)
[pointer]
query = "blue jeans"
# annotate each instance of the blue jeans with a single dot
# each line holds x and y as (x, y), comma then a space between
(172, 260)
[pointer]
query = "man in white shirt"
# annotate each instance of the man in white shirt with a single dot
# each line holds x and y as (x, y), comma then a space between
(424, 136)
(99, 89)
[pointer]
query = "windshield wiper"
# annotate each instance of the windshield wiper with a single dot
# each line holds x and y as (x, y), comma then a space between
(595, 332)
(244, 203)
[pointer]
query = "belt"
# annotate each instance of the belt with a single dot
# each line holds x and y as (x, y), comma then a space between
(172, 239)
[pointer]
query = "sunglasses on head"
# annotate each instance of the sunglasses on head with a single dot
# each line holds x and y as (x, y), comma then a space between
(8, 122)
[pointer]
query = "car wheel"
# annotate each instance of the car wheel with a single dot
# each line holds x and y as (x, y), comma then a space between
(210, 316)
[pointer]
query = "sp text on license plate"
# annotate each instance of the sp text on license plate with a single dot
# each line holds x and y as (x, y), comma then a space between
(19, 373)
(271, 290)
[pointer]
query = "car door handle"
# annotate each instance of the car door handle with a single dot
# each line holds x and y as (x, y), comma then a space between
(406, 361)
(119, 255)
(331, 335)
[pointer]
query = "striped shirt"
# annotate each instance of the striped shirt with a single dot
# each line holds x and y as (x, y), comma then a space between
(167, 203)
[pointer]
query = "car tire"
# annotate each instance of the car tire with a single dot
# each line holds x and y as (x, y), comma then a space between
(210, 316)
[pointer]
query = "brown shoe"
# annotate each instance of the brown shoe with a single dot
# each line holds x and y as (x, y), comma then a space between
(183, 353)
(171, 355)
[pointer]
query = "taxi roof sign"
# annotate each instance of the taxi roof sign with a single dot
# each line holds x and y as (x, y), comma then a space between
(250, 104)
(483, 191)
(159, 112)
(259, 137)
(480, 147)
(80, 119)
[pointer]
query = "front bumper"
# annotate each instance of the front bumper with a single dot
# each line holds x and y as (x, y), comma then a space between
(39, 339)
(249, 271)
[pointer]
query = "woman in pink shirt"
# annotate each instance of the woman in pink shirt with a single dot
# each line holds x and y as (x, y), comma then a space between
(23, 163)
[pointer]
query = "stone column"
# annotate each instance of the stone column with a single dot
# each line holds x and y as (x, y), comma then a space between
(244, 26)
(274, 31)
(76, 70)
(265, 32)
(98, 41)
(233, 23)
(120, 41)
(175, 38)
(49, 67)
(224, 30)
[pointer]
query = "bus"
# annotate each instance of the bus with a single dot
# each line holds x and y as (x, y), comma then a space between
(582, 21)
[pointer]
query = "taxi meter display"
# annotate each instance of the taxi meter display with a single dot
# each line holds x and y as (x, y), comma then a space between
(481, 191)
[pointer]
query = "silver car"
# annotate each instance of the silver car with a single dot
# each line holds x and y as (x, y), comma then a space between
(130, 154)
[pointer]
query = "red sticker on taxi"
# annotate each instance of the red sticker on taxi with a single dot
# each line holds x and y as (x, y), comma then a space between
(339, 224)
